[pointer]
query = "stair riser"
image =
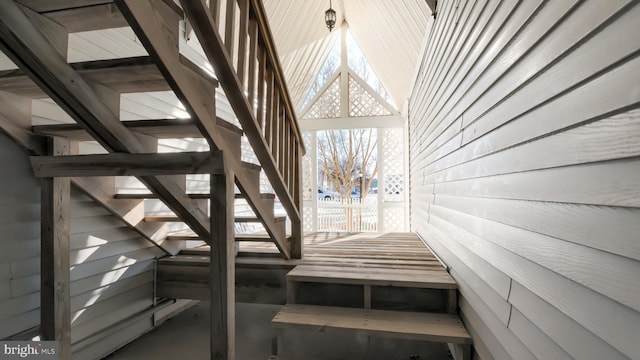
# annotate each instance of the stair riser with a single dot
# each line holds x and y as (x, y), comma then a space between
(265, 286)
(378, 297)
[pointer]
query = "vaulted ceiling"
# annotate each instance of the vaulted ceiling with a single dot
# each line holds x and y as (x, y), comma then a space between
(390, 33)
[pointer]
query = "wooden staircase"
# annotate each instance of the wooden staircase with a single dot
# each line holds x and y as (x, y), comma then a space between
(35, 36)
(359, 296)
(254, 77)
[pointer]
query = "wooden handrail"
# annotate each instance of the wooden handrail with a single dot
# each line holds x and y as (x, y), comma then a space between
(272, 52)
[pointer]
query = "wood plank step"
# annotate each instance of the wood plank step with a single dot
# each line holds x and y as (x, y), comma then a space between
(172, 218)
(266, 196)
(418, 278)
(187, 257)
(158, 128)
(253, 219)
(445, 328)
(124, 75)
(260, 237)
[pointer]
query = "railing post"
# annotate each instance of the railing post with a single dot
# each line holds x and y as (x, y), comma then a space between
(254, 59)
(214, 8)
(268, 129)
(229, 24)
(243, 33)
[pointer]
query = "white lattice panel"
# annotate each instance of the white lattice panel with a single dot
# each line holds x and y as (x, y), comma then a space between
(362, 103)
(393, 182)
(307, 216)
(394, 219)
(328, 105)
(307, 177)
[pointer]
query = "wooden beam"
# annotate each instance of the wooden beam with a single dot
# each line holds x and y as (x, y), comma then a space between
(28, 48)
(124, 75)
(222, 267)
(88, 18)
(161, 129)
(48, 5)
(55, 308)
(384, 121)
(121, 164)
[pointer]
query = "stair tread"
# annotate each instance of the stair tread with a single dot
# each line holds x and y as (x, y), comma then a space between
(173, 218)
(255, 219)
(259, 237)
(398, 324)
(436, 278)
(251, 166)
(191, 195)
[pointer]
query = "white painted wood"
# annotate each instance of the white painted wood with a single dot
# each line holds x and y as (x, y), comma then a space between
(523, 168)
(112, 273)
(570, 222)
(613, 138)
(479, 343)
(611, 44)
(19, 196)
(595, 312)
(537, 342)
(611, 275)
(612, 183)
(569, 335)
(513, 20)
(484, 338)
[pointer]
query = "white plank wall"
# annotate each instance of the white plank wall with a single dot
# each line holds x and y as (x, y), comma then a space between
(524, 126)
(112, 270)
(19, 241)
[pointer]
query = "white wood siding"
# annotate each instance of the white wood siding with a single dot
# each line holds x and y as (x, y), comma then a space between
(112, 267)
(524, 127)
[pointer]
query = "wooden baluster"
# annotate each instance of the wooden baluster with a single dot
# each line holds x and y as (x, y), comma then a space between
(291, 162)
(286, 168)
(297, 176)
(276, 127)
(262, 83)
(243, 33)
(214, 8)
(230, 19)
(282, 138)
(294, 160)
(271, 108)
(289, 155)
(255, 59)
(296, 224)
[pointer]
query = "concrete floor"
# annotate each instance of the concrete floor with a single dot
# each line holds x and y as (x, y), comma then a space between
(186, 337)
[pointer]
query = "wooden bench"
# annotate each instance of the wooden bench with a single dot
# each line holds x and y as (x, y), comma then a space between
(442, 328)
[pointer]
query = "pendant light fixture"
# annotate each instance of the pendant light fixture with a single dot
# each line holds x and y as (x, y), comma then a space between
(330, 17)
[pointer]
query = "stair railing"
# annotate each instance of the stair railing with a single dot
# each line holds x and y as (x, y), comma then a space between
(236, 37)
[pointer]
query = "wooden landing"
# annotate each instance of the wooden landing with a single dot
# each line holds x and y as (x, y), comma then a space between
(388, 258)
(386, 250)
